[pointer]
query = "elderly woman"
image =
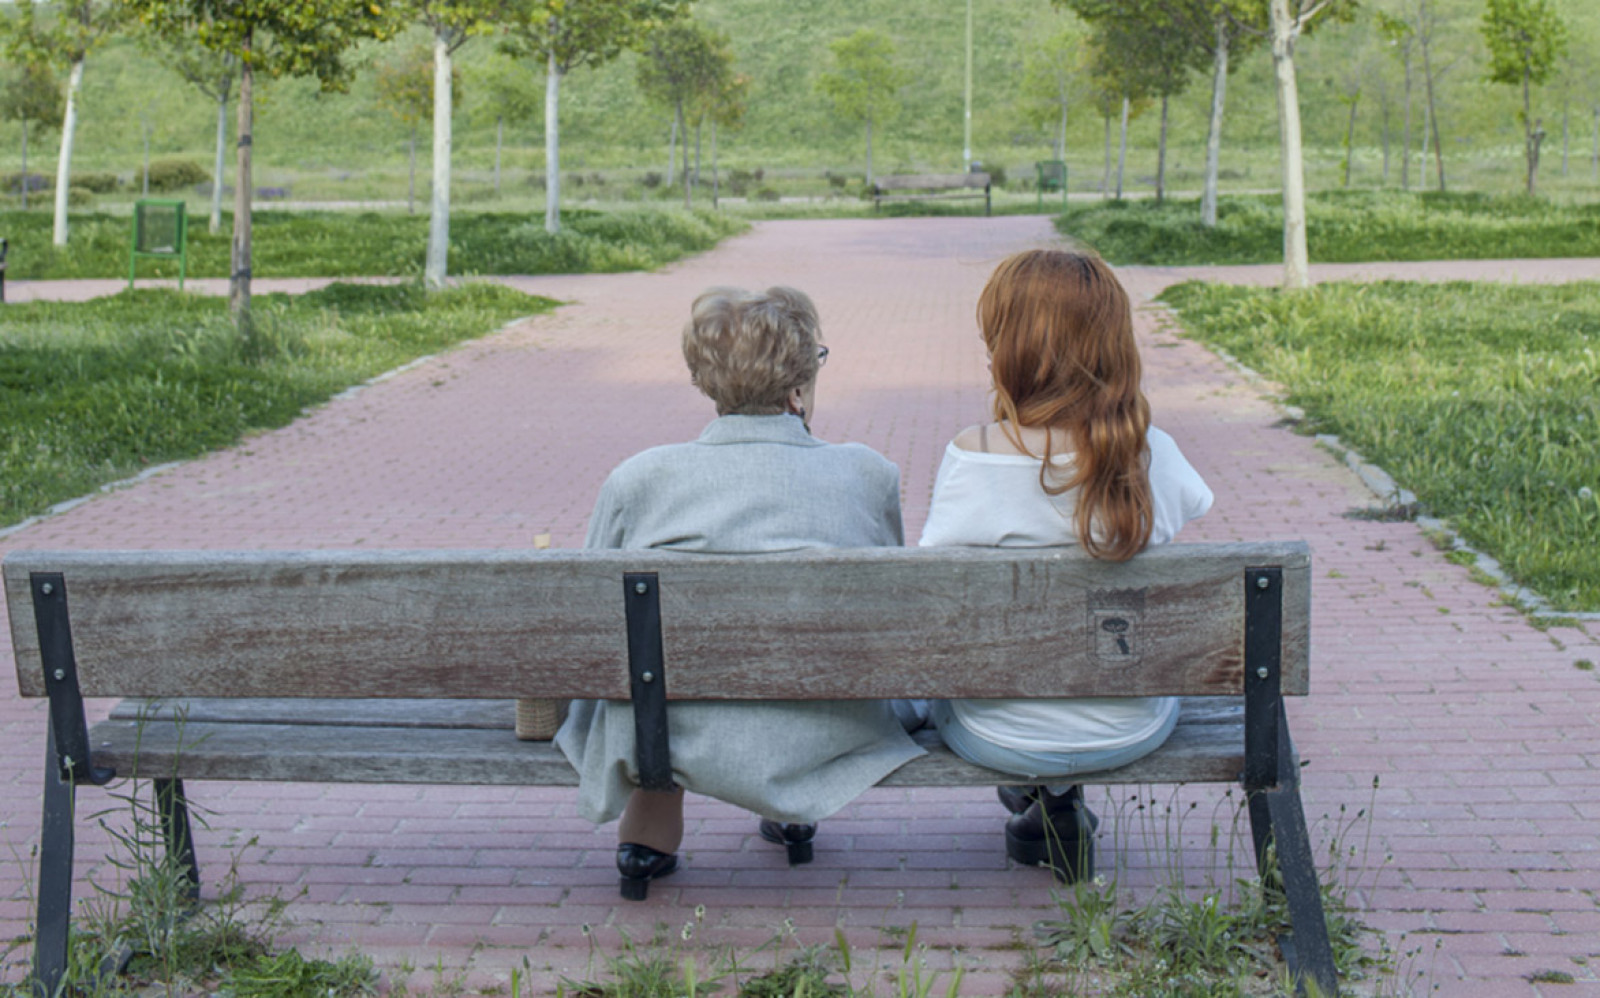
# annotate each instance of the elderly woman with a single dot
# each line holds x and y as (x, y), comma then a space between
(755, 481)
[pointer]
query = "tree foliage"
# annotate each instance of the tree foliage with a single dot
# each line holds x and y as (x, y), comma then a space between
(864, 81)
(584, 32)
(32, 95)
(1525, 38)
(682, 64)
(405, 87)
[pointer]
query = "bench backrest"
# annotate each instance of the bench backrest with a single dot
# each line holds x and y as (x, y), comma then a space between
(932, 181)
(493, 624)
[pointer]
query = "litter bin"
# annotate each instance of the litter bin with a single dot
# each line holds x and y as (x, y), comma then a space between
(161, 230)
(1052, 177)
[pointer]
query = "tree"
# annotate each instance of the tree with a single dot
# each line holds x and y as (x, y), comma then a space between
(305, 38)
(1401, 38)
(33, 96)
(452, 23)
(405, 90)
(726, 108)
(511, 90)
(1290, 19)
(863, 83)
(78, 28)
(565, 35)
(212, 73)
(1224, 29)
(682, 65)
(1054, 77)
(1525, 39)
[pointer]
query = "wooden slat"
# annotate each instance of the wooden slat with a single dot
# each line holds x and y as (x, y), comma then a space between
(1206, 747)
(807, 625)
(414, 713)
(931, 181)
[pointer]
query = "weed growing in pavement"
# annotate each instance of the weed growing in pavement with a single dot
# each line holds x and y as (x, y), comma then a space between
(143, 931)
(1478, 398)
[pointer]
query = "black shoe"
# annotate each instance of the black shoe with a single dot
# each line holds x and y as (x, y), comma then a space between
(796, 838)
(1057, 832)
(639, 865)
(1017, 799)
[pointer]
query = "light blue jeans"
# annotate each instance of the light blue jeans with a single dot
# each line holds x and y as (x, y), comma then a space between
(1039, 765)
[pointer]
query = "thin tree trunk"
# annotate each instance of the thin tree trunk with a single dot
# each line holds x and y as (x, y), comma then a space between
(69, 131)
(1528, 152)
(552, 146)
(24, 164)
(687, 177)
(714, 191)
(1122, 150)
(1594, 157)
(437, 265)
(697, 153)
(220, 162)
(1161, 155)
(1105, 174)
(244, 128)
(672, 150)
(869, 151)
(1386, 110)
(1350, 136)
(1433, 114)
(1405, 131)
(1296, 261)
(1219, 91)
(1061, 135)
(144, 190)
(411, 181)
(499, 138)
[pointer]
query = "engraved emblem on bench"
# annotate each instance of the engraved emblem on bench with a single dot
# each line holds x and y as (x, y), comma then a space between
(1115, 619)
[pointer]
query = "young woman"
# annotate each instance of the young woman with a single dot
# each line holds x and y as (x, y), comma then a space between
(755, 481)
(1070, 458)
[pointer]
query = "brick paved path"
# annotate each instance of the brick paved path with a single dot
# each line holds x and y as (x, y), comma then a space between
(1479, 727)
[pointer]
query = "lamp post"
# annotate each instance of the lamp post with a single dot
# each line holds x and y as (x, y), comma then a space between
(966, 140)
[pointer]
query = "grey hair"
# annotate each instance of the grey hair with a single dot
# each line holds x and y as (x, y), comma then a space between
(747, 351)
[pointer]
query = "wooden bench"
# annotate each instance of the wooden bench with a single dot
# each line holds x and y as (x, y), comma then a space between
(931, 187)
(372, 667)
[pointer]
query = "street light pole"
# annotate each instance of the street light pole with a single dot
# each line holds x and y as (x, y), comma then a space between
(966, 141)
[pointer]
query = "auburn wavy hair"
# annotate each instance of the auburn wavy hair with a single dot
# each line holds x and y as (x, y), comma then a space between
(1062, 355)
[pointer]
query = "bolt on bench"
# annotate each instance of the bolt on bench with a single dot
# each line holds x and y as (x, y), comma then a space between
(375, 667)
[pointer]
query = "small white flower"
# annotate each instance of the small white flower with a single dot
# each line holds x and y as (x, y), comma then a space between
(688, 931)
(1586, 493)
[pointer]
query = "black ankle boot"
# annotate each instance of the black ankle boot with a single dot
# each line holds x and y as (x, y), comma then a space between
(639, 865)
(795, 838)
(1057, 832)
(1017, 799)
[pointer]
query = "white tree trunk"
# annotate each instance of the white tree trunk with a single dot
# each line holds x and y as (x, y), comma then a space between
(684, 128)
(714, 191)
(24, 164)
(499, 137)
(1105, 174)
(239, 268)
(1122, 150)
(1161, 155)
(1594, 157)
(437, 264)
(220, 162)
(411, 175)
(552, 146)
(1566, 135)
(1296, 261)
(672, 151)
(1219, 93)
(1061, 134)
(69, 130)
(144, 190)
(1405, 129)
(869, 152)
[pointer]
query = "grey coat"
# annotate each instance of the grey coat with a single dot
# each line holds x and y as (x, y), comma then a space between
(749, 484)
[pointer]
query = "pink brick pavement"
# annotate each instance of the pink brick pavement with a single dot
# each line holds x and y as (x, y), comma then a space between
(1478, 726)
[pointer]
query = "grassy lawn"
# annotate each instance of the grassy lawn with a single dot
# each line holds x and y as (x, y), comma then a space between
(331, 244)
(1482, 399)
(94, 392)
(1342, 227)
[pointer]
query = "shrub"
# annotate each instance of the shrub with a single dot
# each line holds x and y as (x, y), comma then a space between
(768, 194)
(176, 174)
(837, 181)
(13, 182)
(651, 180)
(99, 183)
(997, 176)
(78, 197)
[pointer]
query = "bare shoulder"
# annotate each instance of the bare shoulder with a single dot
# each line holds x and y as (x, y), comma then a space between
(970, 439)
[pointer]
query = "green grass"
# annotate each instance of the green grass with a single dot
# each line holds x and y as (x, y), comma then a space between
(94, 392)
(1342, 227)
(326, 244)
(1482, 399)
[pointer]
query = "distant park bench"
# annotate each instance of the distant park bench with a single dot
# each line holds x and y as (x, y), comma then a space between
(402, 667)
(932, 187)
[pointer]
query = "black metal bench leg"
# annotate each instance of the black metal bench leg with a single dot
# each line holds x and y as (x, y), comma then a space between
(1278, 827)
(54, 922)
(176, 831)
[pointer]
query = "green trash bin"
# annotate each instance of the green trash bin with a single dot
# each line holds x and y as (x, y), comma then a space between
(1052, 177)
(161, 230)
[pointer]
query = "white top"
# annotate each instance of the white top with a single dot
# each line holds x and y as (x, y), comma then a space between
(994, 500)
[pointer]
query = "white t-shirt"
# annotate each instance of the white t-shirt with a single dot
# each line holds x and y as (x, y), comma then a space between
(994, 500)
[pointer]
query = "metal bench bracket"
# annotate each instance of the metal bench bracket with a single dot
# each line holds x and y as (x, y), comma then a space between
(648, 679)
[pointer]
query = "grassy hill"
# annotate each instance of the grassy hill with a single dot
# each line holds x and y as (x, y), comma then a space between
(348, 147)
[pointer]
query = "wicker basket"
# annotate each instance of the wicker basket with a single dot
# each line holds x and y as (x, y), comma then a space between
(538, 718)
